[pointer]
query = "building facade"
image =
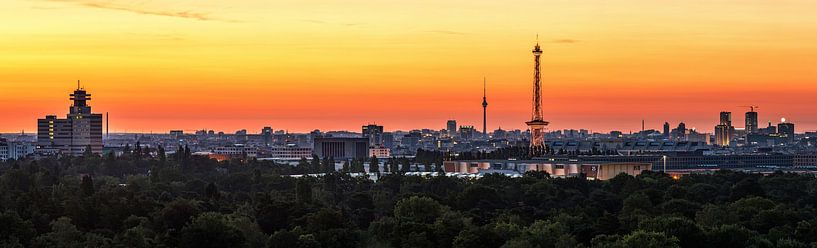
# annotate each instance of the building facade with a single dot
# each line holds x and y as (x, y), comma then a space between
(14, 150)
(81, 129)
(341, 148)
(374, 133)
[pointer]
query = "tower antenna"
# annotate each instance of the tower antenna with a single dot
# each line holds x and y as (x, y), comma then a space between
(484, 108)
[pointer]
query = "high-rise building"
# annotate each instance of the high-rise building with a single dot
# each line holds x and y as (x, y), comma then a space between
(73, 135)
(724, 130)
(680, 132)
(537, 124)
(666, 130)
(726, 118)
(266, 136)
(751, 122)
(374, 133)
(451, 127)
(786, 129)
(722, 135)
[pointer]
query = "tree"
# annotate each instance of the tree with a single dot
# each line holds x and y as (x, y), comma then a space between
(687, 232)
(161, 153)
(87, 186)
(304, 190)
(63, 234)
(12, 227)
(315, 165)
(374, 165)
(212, 191)
(638, 238)
(88, 153)
(211, 230)
(417, 209)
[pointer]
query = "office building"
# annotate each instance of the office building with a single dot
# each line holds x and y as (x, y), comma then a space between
(451, 127)
(14, 150)
(80, 130)
(786, 130)
(726, 118)
(666, 130)
(290, 152)
(341, 148)
(467, 132)
(266, 136)
(722, 135)
(374, 133)
(751, 122)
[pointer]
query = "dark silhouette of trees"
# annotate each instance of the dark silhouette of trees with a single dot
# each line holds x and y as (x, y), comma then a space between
(142, 199)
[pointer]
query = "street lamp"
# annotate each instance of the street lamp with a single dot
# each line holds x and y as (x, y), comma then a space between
(665, 163)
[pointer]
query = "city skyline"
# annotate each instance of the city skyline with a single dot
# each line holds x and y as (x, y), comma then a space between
(229, 68)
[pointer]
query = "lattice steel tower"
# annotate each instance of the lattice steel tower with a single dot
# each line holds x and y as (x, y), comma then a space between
(537, 124)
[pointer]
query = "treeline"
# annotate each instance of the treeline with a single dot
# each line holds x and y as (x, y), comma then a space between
(139, 200)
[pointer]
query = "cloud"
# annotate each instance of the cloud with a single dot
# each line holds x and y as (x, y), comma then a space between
(447, 32)
(169, 13)
(565, 41)
(349, 24)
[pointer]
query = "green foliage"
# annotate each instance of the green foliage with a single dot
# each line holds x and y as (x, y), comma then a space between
(211, 230)
(144, 199)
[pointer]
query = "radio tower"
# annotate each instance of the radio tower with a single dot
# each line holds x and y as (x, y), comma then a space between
(537, 124)
(484, 110)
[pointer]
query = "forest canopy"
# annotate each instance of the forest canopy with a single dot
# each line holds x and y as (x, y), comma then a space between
(138, 200)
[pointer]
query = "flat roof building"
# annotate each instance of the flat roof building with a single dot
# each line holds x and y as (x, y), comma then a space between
(341, 148)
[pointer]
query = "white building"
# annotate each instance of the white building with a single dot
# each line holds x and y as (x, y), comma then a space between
(380, 152)
(290, 152)
(236, 151)
(15, 150)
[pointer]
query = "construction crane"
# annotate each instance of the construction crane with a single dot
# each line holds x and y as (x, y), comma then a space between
(751, 107)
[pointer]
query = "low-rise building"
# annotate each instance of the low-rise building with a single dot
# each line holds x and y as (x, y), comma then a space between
(14, 150)
(380, 152)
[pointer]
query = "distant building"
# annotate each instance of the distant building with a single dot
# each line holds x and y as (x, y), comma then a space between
(467, 132)
(380, 152)
(666, 130)
(374, 133)
(726, 118)
(80, 130)
(751, 122)
(14, 150)
(176, 132)
(388, 140)
(341, 148)
(236, 151)
(786, 130)
(266, 136)
(722, 135)
(693, 136)
(451, 127)
(679, 133)
(556, 168)
(290, 152)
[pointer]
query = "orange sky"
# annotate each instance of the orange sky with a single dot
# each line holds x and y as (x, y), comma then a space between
(304, 64)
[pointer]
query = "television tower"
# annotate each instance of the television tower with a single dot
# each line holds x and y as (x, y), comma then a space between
(537, 124)
(484, 110)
